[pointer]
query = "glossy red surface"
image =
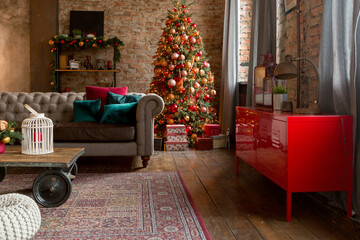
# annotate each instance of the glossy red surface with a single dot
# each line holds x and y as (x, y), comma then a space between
(300, 153)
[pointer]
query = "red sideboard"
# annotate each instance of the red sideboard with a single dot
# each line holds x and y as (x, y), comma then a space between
(300, 153)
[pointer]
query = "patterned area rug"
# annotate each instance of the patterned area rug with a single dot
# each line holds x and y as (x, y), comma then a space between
(151, 206)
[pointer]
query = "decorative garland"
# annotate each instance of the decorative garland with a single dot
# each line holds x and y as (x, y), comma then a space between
(65, 42)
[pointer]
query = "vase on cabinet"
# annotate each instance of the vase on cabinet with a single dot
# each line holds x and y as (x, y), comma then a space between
(278, 99)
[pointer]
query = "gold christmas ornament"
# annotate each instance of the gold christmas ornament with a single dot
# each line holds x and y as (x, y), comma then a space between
(171, 96)
(170, 121)
(94, 45)
(194, 135)
(202, 72)
(197, 58)
(171, 67)
(196, 85)
(187, 118)
(182, 28)
(51, 42)
(163, 63)
(213, 92)
(196, 33)
(182, 57)
(188, 65)
(211, 79)
(175, 47)
(81, 44)
(172, 31)
(196, 70)
(192, 90)
(204, 81)
(177, 39)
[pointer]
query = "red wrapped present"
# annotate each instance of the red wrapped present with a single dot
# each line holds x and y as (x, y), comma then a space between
(212, 129)
(204, 143)
(176, 146)
(175, 128)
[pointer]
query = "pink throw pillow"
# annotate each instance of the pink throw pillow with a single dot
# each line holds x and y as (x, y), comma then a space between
(93, 93)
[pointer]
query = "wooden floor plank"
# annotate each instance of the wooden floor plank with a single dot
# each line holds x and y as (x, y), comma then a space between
(247, 206)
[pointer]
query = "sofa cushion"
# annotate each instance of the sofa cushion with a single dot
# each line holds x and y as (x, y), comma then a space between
(93, 93)
(120, 113)
(114, 98)
(93, 132)
(87, 110)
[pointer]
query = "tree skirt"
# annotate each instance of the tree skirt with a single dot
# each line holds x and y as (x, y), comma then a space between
(151, 206)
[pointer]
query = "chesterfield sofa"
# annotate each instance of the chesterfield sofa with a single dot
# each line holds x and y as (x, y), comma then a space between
(107, 139)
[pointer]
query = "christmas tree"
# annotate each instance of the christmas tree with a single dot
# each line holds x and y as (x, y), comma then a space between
(182, 76)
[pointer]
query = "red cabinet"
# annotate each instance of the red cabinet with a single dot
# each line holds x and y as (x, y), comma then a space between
(300, 153)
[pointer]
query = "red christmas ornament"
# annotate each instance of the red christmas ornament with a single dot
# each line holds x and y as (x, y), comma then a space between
(115, 43)
(206, 64)
(200, 53)
(206, 88)
(177, 24)
(194, 25)
(189, 20)
(54, 49)
(188, 130)
(181, 100)
(184, 11)
(173, 108)
(207, 97)
(100, 41)
(62, 41)
(183, 6)
(175, 10)
(70, 43)
(87, 40)
(170, 39)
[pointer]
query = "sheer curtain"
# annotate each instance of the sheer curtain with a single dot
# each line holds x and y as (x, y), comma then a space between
(340, 75)
(229, 96)
(263, 38)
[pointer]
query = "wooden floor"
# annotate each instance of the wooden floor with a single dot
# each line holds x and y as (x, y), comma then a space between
(247, 206)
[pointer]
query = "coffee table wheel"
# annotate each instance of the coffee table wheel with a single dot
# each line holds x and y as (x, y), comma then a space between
(52, 188)
(2, 173)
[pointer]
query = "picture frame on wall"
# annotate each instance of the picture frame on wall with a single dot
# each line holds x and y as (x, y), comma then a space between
(289, 6)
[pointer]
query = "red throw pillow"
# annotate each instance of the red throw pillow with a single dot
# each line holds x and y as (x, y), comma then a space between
(93, 93)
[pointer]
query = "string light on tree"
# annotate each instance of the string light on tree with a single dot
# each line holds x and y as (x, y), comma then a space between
(182, 75)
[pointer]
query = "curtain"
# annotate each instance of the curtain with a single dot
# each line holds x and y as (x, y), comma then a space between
(263, 38)
(229, 96)
(339, 72)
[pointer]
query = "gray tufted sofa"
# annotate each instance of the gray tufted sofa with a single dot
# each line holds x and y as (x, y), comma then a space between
(59, 108)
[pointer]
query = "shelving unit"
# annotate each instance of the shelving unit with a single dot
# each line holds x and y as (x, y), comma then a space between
(58, 71)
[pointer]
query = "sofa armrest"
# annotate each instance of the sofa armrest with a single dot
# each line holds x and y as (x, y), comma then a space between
(148, 108)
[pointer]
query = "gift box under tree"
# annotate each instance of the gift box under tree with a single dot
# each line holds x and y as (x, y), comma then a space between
(176, 138)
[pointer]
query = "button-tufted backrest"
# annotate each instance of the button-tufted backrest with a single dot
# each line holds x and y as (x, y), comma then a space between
(56, 106)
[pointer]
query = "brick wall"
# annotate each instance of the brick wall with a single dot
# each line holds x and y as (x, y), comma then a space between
(245, 11)
(310, 30)
(138, 24)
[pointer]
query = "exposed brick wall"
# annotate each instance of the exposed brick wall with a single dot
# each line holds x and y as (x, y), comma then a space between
(139, 23)
(310, 30)
(245, 11)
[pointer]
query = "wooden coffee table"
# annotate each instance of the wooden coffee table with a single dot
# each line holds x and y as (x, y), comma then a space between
(52, 187)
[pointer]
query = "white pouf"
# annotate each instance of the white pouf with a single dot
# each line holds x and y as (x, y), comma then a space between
(20, 217)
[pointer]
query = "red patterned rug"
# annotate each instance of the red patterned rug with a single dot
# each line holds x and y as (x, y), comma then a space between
(151, 206)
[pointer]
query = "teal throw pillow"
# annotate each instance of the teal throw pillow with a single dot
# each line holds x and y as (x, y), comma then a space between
(87, 110)
(114, 98)
(120, 113)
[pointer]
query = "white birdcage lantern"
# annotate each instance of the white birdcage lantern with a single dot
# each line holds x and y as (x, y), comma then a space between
(37, 132)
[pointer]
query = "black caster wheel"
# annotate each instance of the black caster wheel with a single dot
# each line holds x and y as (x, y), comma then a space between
(52, 188)
(2, 173)
(74, 171)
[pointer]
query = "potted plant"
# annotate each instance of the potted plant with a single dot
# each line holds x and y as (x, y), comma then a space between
(76, 33)
(280, 95)
(8, 135)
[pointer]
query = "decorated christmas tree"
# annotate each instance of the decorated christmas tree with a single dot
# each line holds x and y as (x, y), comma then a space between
(182, 76)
